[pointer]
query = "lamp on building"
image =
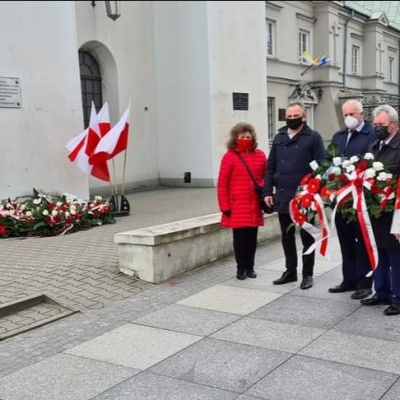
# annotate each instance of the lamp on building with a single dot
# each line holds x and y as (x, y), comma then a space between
(113, 9)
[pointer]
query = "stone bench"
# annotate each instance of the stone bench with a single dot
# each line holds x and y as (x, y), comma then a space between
(158, 253)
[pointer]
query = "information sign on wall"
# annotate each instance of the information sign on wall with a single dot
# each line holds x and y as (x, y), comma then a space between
(10, 92)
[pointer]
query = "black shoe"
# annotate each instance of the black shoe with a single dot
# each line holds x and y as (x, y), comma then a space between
(393, 309)
(251, 274)
(373, 301)
(341, 288)
(361, 294)
(241, 276)
(306, 283)
(286, 277)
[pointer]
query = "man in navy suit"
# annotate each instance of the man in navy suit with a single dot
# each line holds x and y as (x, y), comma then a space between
(354, 140)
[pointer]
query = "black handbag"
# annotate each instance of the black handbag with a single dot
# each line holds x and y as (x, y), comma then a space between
(259, 189)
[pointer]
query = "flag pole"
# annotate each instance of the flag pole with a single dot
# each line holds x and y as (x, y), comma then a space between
(123, 173)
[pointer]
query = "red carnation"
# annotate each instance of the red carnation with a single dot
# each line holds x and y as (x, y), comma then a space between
(305, 179)
(362, 165)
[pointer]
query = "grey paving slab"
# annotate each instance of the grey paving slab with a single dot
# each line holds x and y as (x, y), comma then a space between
(229, 299)
(62, 377)
(221, 364)
(146, 386)
(370, 321)
(306, 311)
(269, 334)
(134, 346)
(394, 392)
(193, 320)
(361, 351)
(304, 378)
(320, 291)
(263, 282)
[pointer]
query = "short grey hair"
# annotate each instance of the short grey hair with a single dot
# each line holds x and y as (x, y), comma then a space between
(389, 110)
(297, 103)
(355, 103)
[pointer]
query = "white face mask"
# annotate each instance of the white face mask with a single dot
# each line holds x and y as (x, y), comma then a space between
(351, 122)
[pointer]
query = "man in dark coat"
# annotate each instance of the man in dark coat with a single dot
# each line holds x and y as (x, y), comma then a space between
(294, 147)
(354, 140)
(387, 275)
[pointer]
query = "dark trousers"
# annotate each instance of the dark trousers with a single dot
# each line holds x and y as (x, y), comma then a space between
(289, 246)
(244, 246)
(387, 275)
(355, 262)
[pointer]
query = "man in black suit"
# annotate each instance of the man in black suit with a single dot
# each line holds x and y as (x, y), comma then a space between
(387, 275)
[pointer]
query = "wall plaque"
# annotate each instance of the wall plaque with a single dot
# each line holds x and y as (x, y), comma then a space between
(10, 92)
(240, 101)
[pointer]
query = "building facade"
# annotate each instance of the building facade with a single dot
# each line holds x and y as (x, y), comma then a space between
(361, 40)
(191, 69)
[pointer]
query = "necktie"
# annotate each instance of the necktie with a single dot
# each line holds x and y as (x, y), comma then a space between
(381, 144)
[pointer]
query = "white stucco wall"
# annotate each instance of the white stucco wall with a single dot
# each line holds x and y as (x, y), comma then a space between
(33, 150)
(205, 51)
(237, 56)
(125, 51)
(183, 90)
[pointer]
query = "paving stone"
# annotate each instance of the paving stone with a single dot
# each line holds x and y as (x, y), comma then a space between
(221, 364)
(62, 377)
(147, 386)
(305, 311)
(304, 378)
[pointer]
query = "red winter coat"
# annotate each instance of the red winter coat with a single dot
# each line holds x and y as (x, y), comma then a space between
(235, 188)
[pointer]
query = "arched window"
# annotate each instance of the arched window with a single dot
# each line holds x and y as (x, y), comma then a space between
(90, 84)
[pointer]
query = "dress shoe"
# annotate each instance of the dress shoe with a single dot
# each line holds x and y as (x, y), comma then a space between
(306, 283)
(286, 277)
(373, 301)
(251, 274)
(341, 288)
(393, 309)
(241, 276)
(361, 294)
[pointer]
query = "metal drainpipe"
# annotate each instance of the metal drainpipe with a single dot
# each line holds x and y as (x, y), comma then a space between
(345, 49)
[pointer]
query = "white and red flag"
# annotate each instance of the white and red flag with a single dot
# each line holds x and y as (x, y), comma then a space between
(82, 146)
(103, 117)
(114, 142)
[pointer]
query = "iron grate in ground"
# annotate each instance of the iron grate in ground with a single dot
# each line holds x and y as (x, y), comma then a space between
(29, 313)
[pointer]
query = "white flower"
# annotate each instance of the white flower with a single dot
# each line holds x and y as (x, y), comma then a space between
(7, 213)
(314, 165)
(72, 210)
(370, 173)
(37, 201)
(377, 165)
(337, 161)
(67, 214)
(59, 204)
(22, 207)
(368, 156)
(28, 214)
(98, 198)
(354, 159)
(335, 170)
(350, 168)
(45, 212)
(54, 213)
(346, 163)
(382, 176)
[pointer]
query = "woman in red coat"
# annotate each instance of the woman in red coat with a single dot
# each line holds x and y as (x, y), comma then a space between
(237, 198)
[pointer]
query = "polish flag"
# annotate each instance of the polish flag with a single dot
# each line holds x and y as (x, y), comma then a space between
(85, 143)
(103, 117)
(114, 142)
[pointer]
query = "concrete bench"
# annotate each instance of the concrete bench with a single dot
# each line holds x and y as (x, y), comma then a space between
(158, 253)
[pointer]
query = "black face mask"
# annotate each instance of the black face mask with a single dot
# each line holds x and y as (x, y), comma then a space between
(382, 132)
(294, 123)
